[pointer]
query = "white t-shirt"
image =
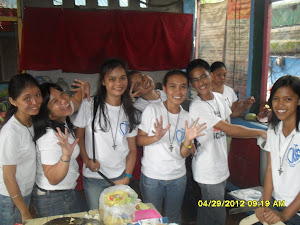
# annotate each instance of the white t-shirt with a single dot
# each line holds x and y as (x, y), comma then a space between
(17, 148)
(112, 162)
(141, 103)
(229, 95)
(210, 165)
(158, 161)
(287, 185)
(49, 153)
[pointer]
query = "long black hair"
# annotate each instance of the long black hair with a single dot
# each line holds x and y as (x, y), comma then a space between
(42, 121)
(132, 114)
(15, 88)
(292, 82)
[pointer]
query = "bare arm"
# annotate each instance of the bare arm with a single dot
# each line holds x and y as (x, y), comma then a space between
(57, 172)
(130, 160)
(89, 163)
(239, 131)
(143, 139)
(9, 176)
(83, 91)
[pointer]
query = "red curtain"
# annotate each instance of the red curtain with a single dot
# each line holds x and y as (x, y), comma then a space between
(79, 41)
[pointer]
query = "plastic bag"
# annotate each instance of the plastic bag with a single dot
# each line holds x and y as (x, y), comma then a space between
(117, 205)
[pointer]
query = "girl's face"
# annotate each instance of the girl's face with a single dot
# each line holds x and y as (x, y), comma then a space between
(284, 103)
(219, 76)
(59, 105)
(28, 102)
(176, 89)
(115, 82)
(142, 83)
(201, 81)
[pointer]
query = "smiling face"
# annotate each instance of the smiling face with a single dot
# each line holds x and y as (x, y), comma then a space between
(201, 81)
(115, 82)
(176, 89)
(142, 83)
(59, 105)
(219, 76)
(28, 102)
(284, 104)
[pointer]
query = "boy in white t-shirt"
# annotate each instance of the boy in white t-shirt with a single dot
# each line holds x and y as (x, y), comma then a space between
(210, 166)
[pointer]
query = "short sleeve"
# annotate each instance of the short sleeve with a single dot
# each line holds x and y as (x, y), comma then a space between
(146, 119)
(48, 148)
(8, 148)
(83, 117)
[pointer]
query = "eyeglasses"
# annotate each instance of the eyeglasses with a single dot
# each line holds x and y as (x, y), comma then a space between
(200, 78)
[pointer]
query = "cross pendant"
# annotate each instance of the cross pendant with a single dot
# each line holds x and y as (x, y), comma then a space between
(171, 147)
(114, 146)
(280, 171)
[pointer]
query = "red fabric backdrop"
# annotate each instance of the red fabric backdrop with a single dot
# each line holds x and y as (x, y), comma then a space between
(79, 41)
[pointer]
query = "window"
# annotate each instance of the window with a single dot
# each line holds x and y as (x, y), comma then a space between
(80, 2)
(143, 5)
(103, 3)
(123, 3)
(57, 2)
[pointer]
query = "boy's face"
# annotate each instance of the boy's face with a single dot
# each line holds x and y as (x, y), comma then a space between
(201, 81)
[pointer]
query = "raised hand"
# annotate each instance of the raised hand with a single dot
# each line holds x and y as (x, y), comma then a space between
(194, 131)
(67, 148)
(249, 102)
(159, 131)
(84, 87)
(135, 94)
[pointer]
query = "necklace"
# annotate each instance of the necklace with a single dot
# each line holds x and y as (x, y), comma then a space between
(217, 113)
(172, 140)
(114, 137)
(154, 99)
(280, 171)
(23, 125)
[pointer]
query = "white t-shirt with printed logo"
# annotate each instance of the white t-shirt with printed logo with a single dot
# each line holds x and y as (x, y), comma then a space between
(112, 162)
(17, 148)
(287, 185)
(158, 161)
(210, 165)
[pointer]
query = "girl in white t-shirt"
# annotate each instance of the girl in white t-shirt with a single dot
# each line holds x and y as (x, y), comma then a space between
(142, 90)
(167, 141)
(282, 180)
(17, 150)
(219, 75)
(57, 168)
(106, 132)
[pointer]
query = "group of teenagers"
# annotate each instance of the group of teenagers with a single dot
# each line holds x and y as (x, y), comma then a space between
(39, 144)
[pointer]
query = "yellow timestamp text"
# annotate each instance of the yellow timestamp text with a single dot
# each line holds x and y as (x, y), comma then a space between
(240, 203)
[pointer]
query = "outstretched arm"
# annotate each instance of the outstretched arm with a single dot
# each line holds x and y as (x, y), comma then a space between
(240, 131)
